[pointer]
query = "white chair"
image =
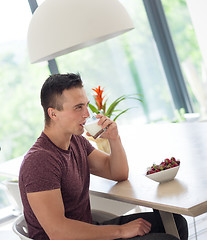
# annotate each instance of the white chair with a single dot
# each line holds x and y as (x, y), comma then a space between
(13, 190)
(20, 228)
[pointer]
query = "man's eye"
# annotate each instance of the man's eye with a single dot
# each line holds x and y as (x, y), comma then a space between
(79, 107)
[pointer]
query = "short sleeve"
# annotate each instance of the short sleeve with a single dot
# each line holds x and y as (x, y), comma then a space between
(41, 172)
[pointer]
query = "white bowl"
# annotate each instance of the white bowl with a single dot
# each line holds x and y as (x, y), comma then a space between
(165, 175)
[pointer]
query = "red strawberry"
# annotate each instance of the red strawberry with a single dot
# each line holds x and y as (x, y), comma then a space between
(166, 164)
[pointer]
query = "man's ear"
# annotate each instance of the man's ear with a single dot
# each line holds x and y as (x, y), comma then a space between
(51, 113)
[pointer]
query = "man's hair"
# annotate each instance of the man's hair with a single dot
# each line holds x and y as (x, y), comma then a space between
(53, 88)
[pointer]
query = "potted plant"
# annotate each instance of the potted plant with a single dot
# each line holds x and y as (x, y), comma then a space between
(111, 112)
(101, 107)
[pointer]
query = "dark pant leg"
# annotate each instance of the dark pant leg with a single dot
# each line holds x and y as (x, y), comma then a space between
(155, 219)
(154, 236)
(181, 224)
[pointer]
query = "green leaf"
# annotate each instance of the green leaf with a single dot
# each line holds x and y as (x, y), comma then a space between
(93, 109)
(112, 107)
(122, 113)
(104, 108)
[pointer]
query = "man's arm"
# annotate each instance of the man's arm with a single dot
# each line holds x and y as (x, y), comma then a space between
(49, 209)
(115, 165)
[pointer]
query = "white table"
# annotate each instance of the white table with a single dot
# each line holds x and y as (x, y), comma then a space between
(144, 145)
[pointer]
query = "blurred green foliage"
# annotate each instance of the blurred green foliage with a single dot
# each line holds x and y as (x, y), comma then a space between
(21, 116)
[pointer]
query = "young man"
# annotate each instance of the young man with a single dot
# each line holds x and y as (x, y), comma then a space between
(54, 176)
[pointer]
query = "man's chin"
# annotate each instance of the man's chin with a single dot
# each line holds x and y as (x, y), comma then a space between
(80, 132)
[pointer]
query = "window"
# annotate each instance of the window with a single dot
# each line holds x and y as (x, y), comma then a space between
(129, 63)
(20, 82)
(185, 19)
(21, 115)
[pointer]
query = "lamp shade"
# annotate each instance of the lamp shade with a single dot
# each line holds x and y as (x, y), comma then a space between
(62, 26)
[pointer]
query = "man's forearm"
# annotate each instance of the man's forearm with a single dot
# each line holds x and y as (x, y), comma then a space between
(75, 230)
(118, 160)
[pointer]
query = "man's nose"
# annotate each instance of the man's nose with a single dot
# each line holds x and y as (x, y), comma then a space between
(86, 114)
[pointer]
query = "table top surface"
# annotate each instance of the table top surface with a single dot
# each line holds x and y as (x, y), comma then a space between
(148, 144)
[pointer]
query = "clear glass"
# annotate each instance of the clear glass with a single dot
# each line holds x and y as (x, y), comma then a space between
(181, 15)
(127, 64)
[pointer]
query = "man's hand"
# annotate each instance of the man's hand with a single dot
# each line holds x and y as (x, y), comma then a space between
(111, 131)
(138, 227)
(112, 166)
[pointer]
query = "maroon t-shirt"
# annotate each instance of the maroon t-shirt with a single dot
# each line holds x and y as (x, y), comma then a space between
(46, 167)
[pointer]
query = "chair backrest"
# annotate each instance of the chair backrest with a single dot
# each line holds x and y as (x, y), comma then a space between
(20, 228)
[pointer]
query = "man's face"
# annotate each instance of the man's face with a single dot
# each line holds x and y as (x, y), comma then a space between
(71, 119)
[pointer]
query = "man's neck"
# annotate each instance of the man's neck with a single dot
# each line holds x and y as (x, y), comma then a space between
(61, 140)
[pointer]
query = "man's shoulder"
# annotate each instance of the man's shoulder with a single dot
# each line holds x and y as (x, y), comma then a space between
(40, 150)
(42, 144)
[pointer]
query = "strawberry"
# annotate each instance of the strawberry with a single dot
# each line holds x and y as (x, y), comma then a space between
(166, 164)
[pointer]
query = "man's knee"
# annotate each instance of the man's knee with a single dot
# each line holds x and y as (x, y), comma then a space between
(180, 221)
(182, 226)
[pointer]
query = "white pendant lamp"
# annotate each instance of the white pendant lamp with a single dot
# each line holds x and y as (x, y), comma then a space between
(62, 26)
